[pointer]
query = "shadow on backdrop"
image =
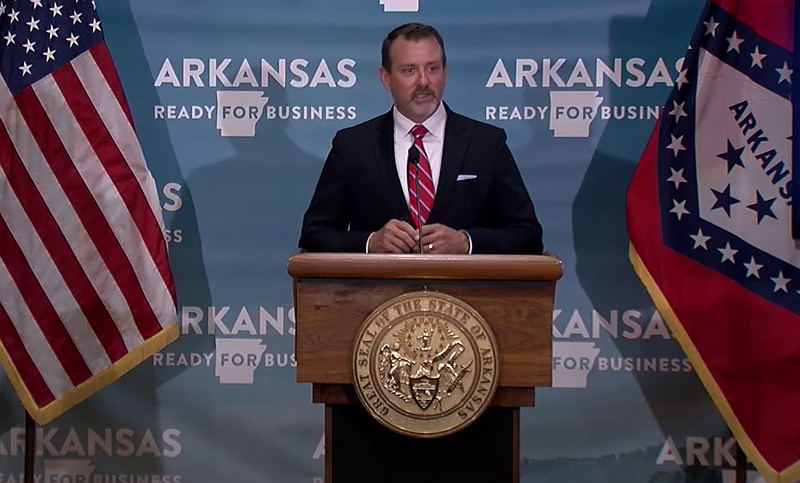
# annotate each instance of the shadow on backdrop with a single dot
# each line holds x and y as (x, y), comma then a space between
(10, 408)
(250, 207)
(186, 257)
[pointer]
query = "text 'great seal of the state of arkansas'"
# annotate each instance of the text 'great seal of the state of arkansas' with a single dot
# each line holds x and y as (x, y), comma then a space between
(425, 364)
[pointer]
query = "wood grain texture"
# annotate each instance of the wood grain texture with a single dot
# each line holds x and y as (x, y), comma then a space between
(330, 313)
(430, 267)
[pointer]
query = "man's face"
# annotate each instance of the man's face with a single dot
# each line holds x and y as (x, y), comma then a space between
(417, 77)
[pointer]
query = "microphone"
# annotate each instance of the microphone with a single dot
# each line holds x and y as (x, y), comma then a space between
(413, 158)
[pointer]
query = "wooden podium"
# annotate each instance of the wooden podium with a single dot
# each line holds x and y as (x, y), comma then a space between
(335, 293)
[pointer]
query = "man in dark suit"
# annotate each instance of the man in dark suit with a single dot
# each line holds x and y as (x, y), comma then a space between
(469, 197)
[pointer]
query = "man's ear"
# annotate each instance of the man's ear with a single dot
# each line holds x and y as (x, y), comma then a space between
(383, 76)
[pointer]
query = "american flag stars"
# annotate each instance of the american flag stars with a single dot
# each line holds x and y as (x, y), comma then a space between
(47, 34)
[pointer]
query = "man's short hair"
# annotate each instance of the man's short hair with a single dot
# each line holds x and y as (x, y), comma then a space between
(409, 31)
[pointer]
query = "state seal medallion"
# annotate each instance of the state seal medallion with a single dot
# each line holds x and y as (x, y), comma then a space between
(425, 364)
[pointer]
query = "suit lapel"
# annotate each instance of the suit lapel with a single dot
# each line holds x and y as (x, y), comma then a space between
(453, 152)
(384, 157)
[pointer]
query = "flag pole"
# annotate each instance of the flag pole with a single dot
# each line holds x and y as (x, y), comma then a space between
(741, 465)
(30, 447)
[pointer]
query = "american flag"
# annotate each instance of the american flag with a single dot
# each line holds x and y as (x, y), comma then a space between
(708, 213)
(86, 291)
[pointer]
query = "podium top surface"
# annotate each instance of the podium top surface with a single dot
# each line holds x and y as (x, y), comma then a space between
(544, 268)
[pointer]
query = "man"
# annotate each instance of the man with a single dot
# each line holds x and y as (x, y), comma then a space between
(471, 197)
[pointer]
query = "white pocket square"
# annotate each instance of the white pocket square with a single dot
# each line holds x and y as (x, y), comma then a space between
(464, 177)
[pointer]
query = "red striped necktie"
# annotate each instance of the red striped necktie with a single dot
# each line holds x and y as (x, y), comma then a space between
(426, 189)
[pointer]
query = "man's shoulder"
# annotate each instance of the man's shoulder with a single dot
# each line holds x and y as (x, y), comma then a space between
(474, 126)
(364, 128)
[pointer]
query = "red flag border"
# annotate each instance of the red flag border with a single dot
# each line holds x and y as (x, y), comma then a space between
(788, 475)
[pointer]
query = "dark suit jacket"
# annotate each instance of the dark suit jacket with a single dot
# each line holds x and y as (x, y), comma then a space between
(358, 190)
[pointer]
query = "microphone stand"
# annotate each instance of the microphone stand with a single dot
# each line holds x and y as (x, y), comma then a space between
(413, 158)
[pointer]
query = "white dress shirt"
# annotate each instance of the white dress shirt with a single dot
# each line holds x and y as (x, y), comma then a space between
(433, 142)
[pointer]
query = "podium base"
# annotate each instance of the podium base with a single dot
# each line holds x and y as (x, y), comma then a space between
(358, 448)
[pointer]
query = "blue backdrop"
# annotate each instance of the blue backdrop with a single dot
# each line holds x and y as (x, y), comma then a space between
(626, 406)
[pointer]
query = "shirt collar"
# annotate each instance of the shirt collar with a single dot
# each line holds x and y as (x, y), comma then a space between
(434, 124)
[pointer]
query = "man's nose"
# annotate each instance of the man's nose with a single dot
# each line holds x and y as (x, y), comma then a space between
(422, 79)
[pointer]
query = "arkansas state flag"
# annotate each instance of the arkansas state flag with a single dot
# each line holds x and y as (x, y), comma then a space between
(708, 215)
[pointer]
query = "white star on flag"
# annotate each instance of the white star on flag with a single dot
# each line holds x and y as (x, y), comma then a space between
(700, 240)
(677, 110)
(33, 24)
(73, 40)
(785, 73)
(677, 177)
(757, 58)
(56, 9)
(29, 46)
(95, 24)
(676, 145)
(49, 54)
(76, 17)
(734, 42)
(780, 282)
(728, 253)
(682, 79)
(753, 268)
(711, 27)
(25, 68)
(679, 208)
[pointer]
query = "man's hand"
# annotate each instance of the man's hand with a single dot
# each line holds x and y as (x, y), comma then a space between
(395, 237)
(438, 238)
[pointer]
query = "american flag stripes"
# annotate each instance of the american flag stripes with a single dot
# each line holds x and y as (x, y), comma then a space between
(86, 291)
